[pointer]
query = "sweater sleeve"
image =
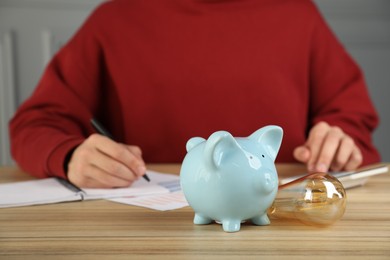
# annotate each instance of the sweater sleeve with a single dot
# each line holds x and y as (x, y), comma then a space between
(339, 95)
(55, 119)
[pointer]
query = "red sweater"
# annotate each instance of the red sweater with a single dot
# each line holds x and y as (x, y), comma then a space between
(158, 72)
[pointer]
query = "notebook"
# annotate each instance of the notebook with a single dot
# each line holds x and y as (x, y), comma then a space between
(351, 179)
(54, 190)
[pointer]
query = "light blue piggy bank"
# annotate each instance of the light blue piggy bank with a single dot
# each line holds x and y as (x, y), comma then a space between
(231, 180)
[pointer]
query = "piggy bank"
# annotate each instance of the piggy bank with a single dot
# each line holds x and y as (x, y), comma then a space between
(230, 180)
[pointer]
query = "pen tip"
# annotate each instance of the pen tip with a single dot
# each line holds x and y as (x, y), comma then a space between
(146, 177)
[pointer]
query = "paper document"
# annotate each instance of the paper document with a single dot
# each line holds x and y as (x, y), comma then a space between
(139, 188)
(172, 200)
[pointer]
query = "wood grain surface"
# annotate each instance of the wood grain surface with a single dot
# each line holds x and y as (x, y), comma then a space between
(106, 230)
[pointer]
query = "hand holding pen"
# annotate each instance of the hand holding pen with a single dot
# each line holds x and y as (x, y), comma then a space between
(101, 130)
(100, 162)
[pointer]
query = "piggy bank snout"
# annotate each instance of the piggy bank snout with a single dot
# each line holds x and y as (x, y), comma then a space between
(267, 182)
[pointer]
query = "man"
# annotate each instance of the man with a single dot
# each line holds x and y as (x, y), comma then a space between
(157, 73)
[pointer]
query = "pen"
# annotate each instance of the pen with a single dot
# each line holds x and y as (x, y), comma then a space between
(103, 131)
(71, 187)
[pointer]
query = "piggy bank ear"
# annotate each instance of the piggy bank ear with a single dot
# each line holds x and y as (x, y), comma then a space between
(270, 137)
(194, 142)
(219, 146)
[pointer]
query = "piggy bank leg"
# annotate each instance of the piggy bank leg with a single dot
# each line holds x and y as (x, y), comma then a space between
(201, 220)
(231, 225)
(261, 220)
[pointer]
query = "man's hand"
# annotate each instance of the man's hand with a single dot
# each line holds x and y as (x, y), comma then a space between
(328, 148)
(100, 162)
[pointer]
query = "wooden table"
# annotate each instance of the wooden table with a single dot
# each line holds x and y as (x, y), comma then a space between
(107, 230)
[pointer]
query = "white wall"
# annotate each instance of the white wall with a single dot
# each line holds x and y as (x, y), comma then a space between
(32, 30)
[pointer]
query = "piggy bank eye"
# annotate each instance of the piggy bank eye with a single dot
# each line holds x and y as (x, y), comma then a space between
(254, 161)
(262, 155)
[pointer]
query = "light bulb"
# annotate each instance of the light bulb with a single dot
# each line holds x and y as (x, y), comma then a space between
(315, 199)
